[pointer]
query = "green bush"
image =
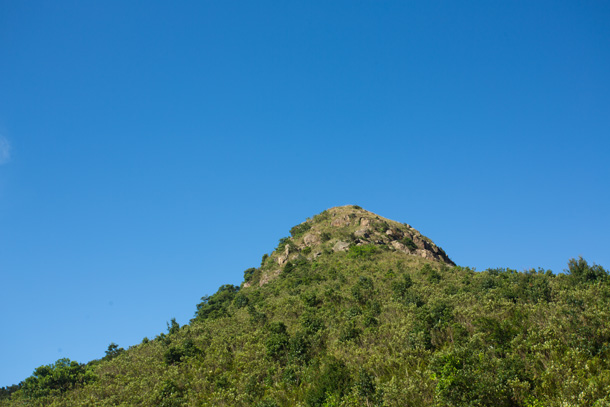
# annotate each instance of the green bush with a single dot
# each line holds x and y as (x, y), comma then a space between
(277, 342)
(431, 274)
(240, 300)
(301, 229)
(363, 290)
(216, 305)
(334, 379)
(350, 332)
(113, 351)
(365, 385)
(290, 376)
(298, 348)
(267, 403)
(289, 267)
(311, 299)
(311, 323)
(56, 378)
(382, 226)
(412, 297)
(173, 355)
(170, 395)
(256, 317)
(580, 271)
(400, 288)
(409, 243)
(282, 244)
(468, 376)
(6, 392)
(249, 273)
(174, 327)
(369, 320)
(362, 252)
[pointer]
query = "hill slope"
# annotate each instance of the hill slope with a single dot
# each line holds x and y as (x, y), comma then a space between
(354, 309)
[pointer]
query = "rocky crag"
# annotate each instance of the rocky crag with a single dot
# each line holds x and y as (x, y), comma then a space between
(339, 228)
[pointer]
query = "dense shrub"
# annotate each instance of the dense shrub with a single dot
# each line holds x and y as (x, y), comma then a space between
(289, 267)
(350, 332)
(216, 305)
(175, 354)
(334, 379)
(282, 244)
(173, 326)
(277, 342)
(6, 392)
(267, 403)
(470, 376)
(170, 395)
(249, 273)
(580, 271)
(400, 288)
(299, 346)
(310, 299)
(311, 323)
(362, 252)
(113, 351)
(240, 300)
(365, 385)
(301, 229)
(409, 243)
(431, 274)
(381, 226)
(392, 332)
(56, 378)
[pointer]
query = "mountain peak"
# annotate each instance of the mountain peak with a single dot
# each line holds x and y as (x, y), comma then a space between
(340, 228)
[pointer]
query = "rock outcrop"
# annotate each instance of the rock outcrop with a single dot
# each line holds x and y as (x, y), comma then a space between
(337, 229)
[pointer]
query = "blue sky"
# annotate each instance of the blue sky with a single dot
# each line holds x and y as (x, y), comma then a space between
(150, 152)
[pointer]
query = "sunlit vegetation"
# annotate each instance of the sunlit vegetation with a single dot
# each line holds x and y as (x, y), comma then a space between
(364, 327)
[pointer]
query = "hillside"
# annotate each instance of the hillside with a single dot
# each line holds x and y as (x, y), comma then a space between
(357, 310)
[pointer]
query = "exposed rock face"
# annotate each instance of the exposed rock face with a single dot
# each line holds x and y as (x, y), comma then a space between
(343, 221)
(341, 246)
(400, 247)
(364, 232)
(311, 239)
(337, 229)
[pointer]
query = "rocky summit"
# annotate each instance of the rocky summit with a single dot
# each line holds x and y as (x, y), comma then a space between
(339, 228)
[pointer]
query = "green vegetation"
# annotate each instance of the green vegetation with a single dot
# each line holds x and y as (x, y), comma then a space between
(300, 230)
(56, 379)
(409, 243)
(364, 252)
(217, 305)
(364, 327)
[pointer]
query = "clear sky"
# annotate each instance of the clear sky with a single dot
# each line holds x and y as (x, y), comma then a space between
(152, 151)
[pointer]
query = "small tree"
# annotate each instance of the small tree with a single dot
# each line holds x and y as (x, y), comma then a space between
(174, 327)
(113, 351)
(582, 272)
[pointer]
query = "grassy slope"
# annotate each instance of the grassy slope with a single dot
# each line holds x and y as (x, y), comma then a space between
(372, 328)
